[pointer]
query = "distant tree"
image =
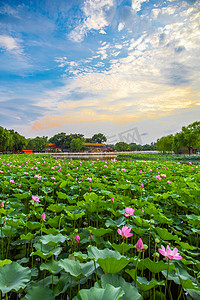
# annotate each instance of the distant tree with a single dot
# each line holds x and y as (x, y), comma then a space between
(89, 140)
(77, 143)
(18, 142)
(99, 138)
(59, 140)
(189, 137)
(133, 147)
(4, 138)
(122, 146)
(165, 143)
(38, 143)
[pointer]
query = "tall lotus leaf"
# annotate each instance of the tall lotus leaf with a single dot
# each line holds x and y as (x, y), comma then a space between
(13, 277)
(94, 252)
(61, 195)
(116, 223)
(98, 231)
(62, 285)
(110, 292)
(188, 284)
(186, 246)
(29, 236)
(46, 189)
(120, 248)
(146, 285)
(117, 281)
(166, 235)
(74, 216)
(140, 222)
(156, 267)
(39, 292)
(52, 266)
(33, 225)
(77, 269)
(113, 265)
(56, 207)
(52, 240)
(54, 222)
(5, 262)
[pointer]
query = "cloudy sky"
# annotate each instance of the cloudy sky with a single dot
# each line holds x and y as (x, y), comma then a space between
(120, 67)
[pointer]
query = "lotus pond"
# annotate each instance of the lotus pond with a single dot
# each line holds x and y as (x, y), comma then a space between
(98, 230)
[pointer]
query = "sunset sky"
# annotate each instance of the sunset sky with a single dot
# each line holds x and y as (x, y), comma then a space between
(90, 66)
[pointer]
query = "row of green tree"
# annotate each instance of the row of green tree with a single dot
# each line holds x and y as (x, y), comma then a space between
(187, 139)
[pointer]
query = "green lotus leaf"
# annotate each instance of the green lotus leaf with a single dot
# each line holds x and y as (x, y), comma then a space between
(117, 281)
(165, 234)
(62, 285)
(29, 236)
(61, 195)
(186, 246)
(156, 267)
(110, 292)
(188, 284)
(120, 248)
(52, 240)
(116, 223)
(38, 292)
(74, 216)
(53, 231)
(13, 277)
(77, 269)
(80, 255)
(46, 189)
(98, 231)
(54, 222)
(146, 285)
(42, 255)
(112, 264)
(5, 262)
(33, 225)
(52, 266)
(94, 252)
(141, 222)
(56, 207)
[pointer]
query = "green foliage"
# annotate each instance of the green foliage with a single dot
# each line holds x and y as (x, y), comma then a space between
(77, 144)
(122, 146)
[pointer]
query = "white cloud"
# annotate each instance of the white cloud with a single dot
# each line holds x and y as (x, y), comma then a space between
(11, 44)
(136, 4)
(94, 19)
(120, 26)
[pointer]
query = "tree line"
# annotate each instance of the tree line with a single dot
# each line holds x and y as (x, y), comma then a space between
(188, 137)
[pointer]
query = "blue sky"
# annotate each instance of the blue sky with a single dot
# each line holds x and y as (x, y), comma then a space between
(109, 66)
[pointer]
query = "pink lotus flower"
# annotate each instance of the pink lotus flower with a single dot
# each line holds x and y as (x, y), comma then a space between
(140, 171)
(36, 198)
(139, 245)
(2, 204)
(11, 181)
(112, 200)
(169, 182)
(19, 184)
(142, 185)
(158, 177)
(53, 178)
(129, 211)
(168, 253)
(90, 188)
(125, 232)
(143, 211)
(43, 217)
(77, 238)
